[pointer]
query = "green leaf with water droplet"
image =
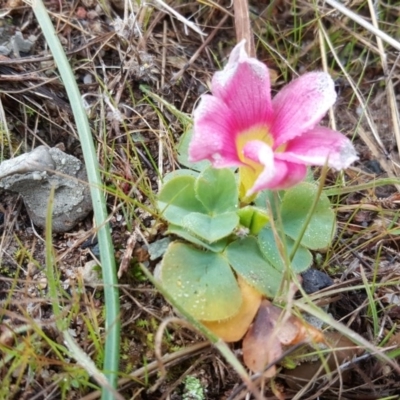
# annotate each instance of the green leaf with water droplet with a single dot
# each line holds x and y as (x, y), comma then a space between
(301, 261)
(209, 228)
(177, 198)
(216, 247)
(217, 190)
(296, 205)
(246, 258)
(201, 281)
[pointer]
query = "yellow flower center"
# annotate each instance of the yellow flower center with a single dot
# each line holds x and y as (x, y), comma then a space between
(249, 172)
(261, 133)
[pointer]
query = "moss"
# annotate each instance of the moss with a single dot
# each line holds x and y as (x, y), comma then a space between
(193, 389)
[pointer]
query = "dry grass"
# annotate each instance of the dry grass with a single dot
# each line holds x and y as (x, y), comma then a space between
(126, 57)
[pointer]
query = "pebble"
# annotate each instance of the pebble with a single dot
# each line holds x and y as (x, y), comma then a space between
(314, 280)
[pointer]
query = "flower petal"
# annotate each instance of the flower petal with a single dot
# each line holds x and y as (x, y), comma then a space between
(214, 134)
(244, 86)
(287, 174)
(319, 145)
(276, 174)
(300, 105)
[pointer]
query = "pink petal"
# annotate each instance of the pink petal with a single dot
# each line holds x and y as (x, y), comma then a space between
(214, 134)
(300, 105)
(287, 175)
(276, 174)
(319, 145)
(244, 86)
(259, 152)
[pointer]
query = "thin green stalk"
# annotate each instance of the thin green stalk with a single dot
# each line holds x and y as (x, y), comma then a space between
(112, 324)
(370, 290)
(179, 114)
(374, 183)
(310, 214)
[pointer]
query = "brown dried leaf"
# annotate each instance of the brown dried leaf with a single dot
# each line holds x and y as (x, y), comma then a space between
(263, 342)
(305, 332)
(261, 345)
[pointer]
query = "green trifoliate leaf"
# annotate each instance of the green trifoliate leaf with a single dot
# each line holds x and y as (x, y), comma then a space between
(211, 229)
(217, 190)
(270, 201)
(268, 246)
(246, 258)
(177, 198)
(184, 234)
(179, 172)
(201, 281)
(296, 205)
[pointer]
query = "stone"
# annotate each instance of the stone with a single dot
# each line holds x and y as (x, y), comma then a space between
(314, 280)
(22, 45)
(33, 174)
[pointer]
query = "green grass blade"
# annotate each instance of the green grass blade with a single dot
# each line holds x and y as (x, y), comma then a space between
(112, 343)
(374, 183)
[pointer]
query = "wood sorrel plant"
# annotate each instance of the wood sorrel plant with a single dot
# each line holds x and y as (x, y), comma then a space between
(230, 257)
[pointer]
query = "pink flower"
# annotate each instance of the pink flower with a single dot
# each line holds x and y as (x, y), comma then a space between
(271, 140)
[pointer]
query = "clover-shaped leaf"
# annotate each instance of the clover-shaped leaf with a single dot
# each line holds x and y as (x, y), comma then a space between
(217, 190)
(211, 229)
(296, 205)
(177, 198)
(201, 281)
(179, 172)
(301, 261)
(246, 258)
(184, 234)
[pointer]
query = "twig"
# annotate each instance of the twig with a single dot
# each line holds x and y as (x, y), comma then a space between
(179, 17)
(242, 25)
(391, 96)
(365, 24)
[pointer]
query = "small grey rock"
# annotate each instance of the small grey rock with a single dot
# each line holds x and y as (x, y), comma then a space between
(38, 159)
(22, 45)
(4, 50)
(158, 248)
(314, 280)
(33, 174)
